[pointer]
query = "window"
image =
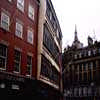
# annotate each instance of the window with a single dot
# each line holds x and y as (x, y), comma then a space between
(3, 56)
(75, 56)
(89, 53)
(57, 33)
(85, 53)
(80, 91)
(75, 92)
(80, 67)
(85, 91)
(20, 5)
(85, 76)
(80, 54)
(50, 15)
(90, 65)
(29, 65)
(19, 29)
(90, 75)
(30, 36)
(99, 50)
(89, 91)
(31, 12)
(84, 67)
(94, 52)
(94, 65)
(5, 20)
(17, 61)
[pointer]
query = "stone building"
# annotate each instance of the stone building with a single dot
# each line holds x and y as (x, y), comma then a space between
(81, 74)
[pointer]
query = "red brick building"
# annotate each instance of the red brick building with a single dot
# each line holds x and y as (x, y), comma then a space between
(18, 44)
(30, 49)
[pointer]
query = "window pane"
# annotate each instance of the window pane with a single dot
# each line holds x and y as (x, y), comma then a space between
(16, 67)
(30, 36)
(3, 56)
(2, 62)
(20, 4)
(17, 60)
(31, 12)
(29, 64)
(5, 21)
(19, 29)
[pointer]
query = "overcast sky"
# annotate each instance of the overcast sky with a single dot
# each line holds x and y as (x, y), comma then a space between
(84, 13)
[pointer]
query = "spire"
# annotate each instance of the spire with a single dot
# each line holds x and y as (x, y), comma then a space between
(75, 38)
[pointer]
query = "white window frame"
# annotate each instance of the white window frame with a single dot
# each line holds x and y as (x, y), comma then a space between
(3, 14)
(30, 36)
(19, 29)
(4, 58)
(31, 12)
(20, 5)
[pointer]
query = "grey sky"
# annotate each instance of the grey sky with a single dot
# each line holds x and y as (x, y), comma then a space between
(84, 13)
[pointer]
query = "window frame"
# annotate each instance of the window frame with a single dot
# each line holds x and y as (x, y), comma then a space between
(29, 65)
(20, 6)
(31, 12)
(15, 61)
(4, 13)
(4, 57)
(19, 24)
(30, 33)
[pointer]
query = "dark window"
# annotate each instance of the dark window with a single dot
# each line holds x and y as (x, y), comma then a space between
(80, 67)
(29, 65)
(49, 71)
(84, 67)
(89, 65)
(50, 44)
(80, 76)
(85, 76)
(94, 65)
(3, 56)
(94, 75)
(90, 75)
(17, 61)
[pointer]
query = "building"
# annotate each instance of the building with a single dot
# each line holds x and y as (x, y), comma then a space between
(49, 51)
(18, 47)
(81, 72)
(30, 50)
